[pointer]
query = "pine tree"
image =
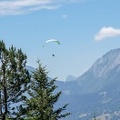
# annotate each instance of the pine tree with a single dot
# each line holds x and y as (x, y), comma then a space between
(40, 106)
(14, 79)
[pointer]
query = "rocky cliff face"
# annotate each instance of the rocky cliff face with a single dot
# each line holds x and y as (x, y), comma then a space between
(104, 72)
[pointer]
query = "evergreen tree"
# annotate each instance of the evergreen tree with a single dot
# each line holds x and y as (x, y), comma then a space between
(40, 106)
(14, 80)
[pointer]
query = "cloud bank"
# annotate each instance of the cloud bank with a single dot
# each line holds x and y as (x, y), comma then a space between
(106, 32)
(14, 7)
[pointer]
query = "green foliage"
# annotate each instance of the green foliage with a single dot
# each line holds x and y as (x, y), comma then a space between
(16, 83)
(40, 106)
(14, 80)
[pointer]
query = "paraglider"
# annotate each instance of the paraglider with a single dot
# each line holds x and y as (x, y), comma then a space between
(51, 40)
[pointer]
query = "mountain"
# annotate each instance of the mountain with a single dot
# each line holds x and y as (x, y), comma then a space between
(96, 92)
(70, 78)
(103, 73)
(30, 68)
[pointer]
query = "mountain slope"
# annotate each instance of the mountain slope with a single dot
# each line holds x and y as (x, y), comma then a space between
(96, 91)
(105, 71)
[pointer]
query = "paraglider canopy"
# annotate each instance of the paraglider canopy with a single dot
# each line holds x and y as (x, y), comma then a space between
(52, 40)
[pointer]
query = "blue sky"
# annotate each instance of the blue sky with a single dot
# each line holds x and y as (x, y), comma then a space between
(86, 29)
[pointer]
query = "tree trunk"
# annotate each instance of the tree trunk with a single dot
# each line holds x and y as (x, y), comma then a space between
(5, 94)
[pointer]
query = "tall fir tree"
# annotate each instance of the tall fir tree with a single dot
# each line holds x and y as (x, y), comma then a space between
(40, 106)
(14, 78)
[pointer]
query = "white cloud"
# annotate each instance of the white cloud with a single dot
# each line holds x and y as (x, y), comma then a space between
(13, 7)
(21, 6)
(106, 32)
